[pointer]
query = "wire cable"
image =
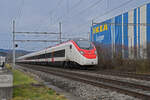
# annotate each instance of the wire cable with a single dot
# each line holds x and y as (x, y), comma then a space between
(93, 4)
(76, 5)
(49, 13)
(107, 12)
(123, 4)
(20, 11)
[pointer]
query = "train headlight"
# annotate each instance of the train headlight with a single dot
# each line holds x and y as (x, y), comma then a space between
(82, 52)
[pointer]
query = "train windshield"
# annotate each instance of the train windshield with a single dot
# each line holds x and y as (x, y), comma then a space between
(84, 44)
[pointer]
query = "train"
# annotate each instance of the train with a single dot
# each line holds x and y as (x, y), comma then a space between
(2, 62)
(72, 53)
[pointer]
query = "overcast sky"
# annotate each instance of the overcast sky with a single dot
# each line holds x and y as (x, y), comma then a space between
(44, 16)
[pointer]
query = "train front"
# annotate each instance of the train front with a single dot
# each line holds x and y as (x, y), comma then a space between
(87, 54)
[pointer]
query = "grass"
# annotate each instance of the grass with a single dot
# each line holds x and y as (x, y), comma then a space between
(28, 92)
(20, 78)
(25, 91)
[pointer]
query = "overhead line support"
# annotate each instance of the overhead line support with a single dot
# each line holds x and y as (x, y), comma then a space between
(37, 33)
(14, 45)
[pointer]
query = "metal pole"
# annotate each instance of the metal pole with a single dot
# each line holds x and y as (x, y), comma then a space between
(92, 33)
(60, 32)
(14, 44)
(89, 35)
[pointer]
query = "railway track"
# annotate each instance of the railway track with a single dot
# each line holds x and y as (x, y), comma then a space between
(132, 89)
(144, 77)
(126, 75)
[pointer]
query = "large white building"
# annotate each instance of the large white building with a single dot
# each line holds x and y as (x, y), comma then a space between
(130, 31)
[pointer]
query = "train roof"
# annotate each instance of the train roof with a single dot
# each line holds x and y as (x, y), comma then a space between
(38, 52)
(44, 50)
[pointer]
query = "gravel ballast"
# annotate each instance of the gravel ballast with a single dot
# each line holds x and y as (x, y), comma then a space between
(85, 91)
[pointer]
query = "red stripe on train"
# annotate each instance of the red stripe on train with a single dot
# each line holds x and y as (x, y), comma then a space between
(90, 54)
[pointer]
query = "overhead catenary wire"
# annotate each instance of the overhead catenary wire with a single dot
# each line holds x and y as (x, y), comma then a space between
(115, 8)
(82, 11)
(68, 6)
(76, 5)
(49, 14)
(36, 40)
(105, 12)
(37, 33)
(123, 4)
(20, 11)
(30, 33)
(92, 4)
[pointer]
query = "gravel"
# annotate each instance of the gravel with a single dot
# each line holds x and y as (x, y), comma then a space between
(85, 91)
(132, 80)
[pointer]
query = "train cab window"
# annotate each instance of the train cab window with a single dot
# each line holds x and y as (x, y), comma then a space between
(70, 46)
(84, 44)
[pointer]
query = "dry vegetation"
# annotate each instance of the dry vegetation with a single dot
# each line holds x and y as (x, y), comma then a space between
(106, 62)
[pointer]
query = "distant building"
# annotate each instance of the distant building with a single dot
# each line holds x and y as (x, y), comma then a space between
(128, 33)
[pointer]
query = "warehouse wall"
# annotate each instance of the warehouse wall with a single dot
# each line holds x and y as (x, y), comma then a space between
(128, 33)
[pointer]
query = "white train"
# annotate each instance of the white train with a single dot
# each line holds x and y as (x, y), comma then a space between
(2, 61)
(68, 54)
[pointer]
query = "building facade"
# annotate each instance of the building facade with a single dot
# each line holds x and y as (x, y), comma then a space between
(128, 33)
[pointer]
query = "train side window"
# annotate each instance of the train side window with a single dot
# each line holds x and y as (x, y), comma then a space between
(70, 46)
